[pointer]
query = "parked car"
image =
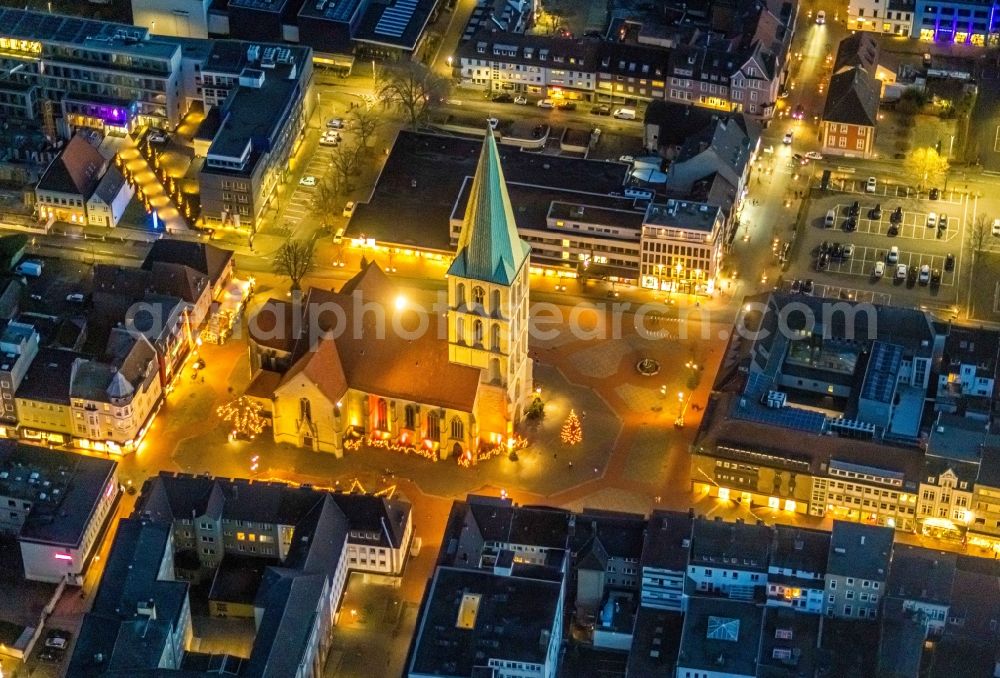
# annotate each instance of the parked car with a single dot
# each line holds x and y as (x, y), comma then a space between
(75, 298)
(57, 639)
(492, 122)
(933, 194)
(943, 222)
(875, 212)
(335, 123)
(851, 224)
(911, 276)
(925, 275)
(893, 256)
(848, 250)
(796, 286)
(824, 247)
(996, 227)
(870, 185)
(931, 219)
(503, 98)
(625, 113)
(936, 277)
(855, 209)
(545, 103)
(330, 138)
(900, 271)
(799, 158)
(807, 286)
(157, 137)
(897, 215)
(601, 109)
(567, 105)
(30, 268)
(949, 262)
(814, 155)
(879, 269)
(830, 219)
(787, 139)
(822, 262)
(307, 180)
(349, 209)
(520, 100)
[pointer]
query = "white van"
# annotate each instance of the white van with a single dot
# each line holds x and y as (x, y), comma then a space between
(831, 219)
(625, 113)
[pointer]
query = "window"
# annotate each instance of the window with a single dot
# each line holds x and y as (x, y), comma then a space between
(433, 426)
(382, 415)
(411, 417)
(495, 337)
(305, 409)
(457, 428)
(460, 295)
(478, 295)
(477, 333)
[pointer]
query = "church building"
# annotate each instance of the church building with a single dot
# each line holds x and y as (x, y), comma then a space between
(333, 369)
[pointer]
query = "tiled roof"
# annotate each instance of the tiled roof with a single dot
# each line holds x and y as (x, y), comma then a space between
(77, 169)
(852, 98)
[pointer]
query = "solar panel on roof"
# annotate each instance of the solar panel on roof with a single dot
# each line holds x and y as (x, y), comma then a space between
(395, 19)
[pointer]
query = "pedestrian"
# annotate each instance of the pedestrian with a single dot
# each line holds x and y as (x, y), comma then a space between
(571, 464)
(595, 469)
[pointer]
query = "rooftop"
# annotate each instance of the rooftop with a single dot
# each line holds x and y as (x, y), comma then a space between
(76, 170)
(860, 551)
(472, 616)
(800, 549)
(684, 214)
(656, 640)
(789, 644)
(79, 32)
(742, 546)
(720, 636)
(920, 574)
(668, 540)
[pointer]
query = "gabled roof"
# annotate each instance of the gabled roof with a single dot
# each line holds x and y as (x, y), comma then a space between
(859, 50)
(860, 551)
(77, 169)
(489, 248)
(207, 259)
(322, 367)
(852, 98)
(110, 185)
(922, 575)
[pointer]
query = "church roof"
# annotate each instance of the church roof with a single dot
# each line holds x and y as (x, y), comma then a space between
(489, 248)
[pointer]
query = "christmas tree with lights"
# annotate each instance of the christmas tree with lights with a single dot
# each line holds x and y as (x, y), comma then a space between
(244, 415)
(572, 432)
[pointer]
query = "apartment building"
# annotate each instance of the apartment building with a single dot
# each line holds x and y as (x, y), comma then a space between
(967, 378)
(947, 482)
(81, 187)
(18, 348)
(984, 530)
(857, 570)
(796, 573)
(665, 556)
(520, 64)
(182, 529)
(893, 16)
(729, 559)
(259, 96)
(606, 547)
(55, 504)
(920, 581)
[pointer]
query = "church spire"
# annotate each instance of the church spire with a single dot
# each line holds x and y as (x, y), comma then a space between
(489, 248)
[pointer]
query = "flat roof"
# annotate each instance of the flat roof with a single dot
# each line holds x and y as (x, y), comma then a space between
(683, 214)
(69, 30)
(421, 181)
(64, 490)
(471, 616)
(721, 635)
(396, 23)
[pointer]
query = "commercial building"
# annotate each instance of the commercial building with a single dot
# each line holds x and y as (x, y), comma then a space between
(984, 529)
(81, 187)
(791, 395)
(56, 505)
(682, 245)
(336, 30)
(976, 22)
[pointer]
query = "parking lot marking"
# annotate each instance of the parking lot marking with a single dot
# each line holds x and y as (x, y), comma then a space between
(996, 141)
(913, 225)
(864, 259)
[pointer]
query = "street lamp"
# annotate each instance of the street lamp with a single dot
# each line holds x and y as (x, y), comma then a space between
(449, 60)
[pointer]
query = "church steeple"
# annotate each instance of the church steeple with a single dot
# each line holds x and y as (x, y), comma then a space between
(488, 297)
(489, 248)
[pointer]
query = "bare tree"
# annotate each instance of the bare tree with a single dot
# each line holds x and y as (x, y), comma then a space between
(365, 122)
(344, 163)
(978, 233)
(413, 89)
(327, 198)
(294, 259)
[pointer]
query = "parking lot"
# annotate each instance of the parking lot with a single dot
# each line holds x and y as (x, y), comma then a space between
(872, 237)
